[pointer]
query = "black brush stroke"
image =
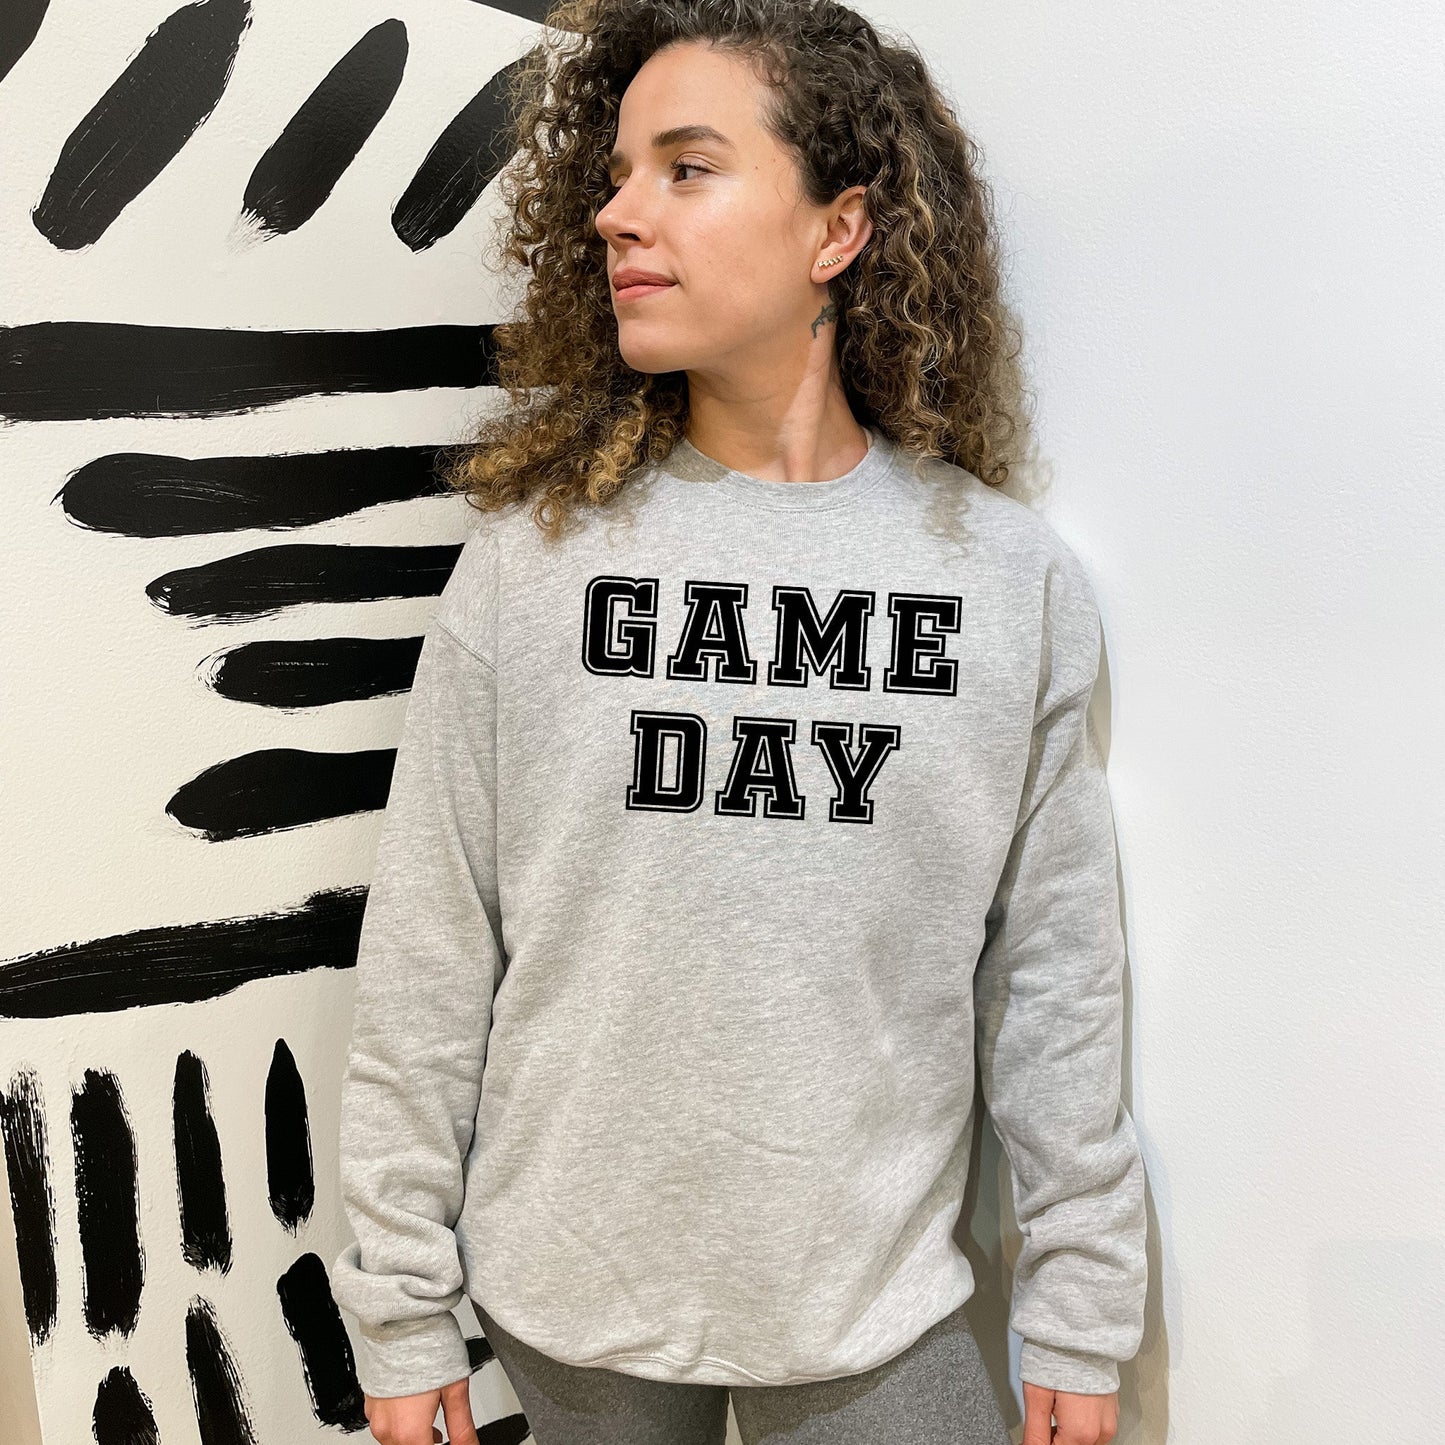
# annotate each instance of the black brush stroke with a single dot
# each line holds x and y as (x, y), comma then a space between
(32, 1201)
(297, 173)
(141, 122)
(107, 1205)
(290, 1176)
(528, 9)
(327, 1362)
(316, 671)
(221, 1410)
(259, 583)
(183, 963)
(273, 789)
(142, 494)
(122, 1414)
(19, 24)
(89, 370)
(462, 163)
(479, 1351)
(509, 1430)
(200, 1180)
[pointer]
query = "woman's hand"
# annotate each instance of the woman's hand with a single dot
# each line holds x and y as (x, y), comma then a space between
(407, 1419)
(1080, 1419)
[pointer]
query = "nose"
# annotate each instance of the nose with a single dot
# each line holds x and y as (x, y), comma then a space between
(618, 219)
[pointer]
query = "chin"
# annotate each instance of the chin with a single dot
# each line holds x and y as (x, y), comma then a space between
(651, 357)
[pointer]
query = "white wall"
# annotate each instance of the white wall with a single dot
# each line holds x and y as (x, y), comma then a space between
(1227, 229)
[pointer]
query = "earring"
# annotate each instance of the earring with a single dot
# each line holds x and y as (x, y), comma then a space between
(833, 262)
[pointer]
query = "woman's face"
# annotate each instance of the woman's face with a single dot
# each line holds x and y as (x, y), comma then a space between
(721, 215)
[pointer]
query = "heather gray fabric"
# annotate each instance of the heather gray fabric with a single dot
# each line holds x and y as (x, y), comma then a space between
(726, 833)
(935, 1392)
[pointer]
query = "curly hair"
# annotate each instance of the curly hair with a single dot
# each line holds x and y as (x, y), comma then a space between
(926, 350)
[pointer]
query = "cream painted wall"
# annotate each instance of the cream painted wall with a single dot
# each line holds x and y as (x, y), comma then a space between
(106, 712)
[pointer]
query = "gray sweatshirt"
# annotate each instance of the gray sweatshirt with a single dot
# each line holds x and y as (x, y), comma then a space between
(724, 837)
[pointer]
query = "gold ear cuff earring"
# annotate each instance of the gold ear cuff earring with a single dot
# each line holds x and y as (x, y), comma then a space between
(833, 262)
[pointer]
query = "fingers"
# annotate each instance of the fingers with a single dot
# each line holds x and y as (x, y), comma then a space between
(457, 1411)
(1085, 1419)
(1038, 1415)
(405, 1419)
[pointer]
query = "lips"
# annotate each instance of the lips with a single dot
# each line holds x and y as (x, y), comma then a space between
(635, 293)
(629, 278)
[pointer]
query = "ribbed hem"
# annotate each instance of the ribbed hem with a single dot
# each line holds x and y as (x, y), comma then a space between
(413, 1357)
(1072, 1371)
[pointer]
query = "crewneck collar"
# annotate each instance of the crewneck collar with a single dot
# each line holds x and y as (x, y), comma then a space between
(688, 463)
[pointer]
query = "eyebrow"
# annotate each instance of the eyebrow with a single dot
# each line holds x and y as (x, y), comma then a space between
(665, 139)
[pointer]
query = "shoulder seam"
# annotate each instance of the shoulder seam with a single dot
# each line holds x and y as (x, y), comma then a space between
(465, 646)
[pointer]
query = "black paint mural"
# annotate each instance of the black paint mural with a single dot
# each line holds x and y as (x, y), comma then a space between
(90, 371)
(122, 1413)
(174, 83)
(183, 963)
(32, 1201)
(200, 1183)
(169, 96)
(107, 1206)
(107, 1182)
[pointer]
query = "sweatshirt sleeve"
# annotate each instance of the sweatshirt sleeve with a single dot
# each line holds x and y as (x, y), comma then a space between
(1049, 1018)
(428, 964)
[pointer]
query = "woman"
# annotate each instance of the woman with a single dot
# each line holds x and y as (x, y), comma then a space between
(747, 795)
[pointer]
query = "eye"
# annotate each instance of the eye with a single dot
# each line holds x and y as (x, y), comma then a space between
(674, 167)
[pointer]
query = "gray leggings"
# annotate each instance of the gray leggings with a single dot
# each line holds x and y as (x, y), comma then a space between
(937, 1392)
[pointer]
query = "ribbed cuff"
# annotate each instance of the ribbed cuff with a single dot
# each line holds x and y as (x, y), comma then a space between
(413, 1357)
(1072, 1371)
